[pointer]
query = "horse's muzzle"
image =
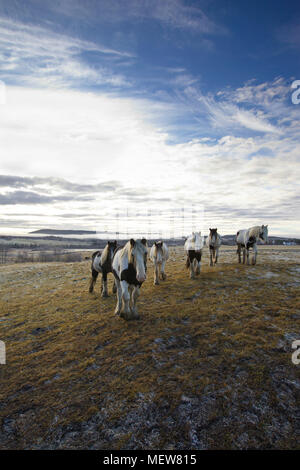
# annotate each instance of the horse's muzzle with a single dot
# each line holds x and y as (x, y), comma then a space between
(141, 278)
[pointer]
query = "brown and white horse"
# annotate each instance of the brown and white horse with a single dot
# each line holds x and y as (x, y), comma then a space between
(213, 242)
(159, 254)
(129, 267)
(193, 247)
(102, 263)
(247, 239)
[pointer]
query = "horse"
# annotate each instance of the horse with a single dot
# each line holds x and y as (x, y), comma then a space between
(102, 263)
(159, 254)
(213, 242)
(247, 239)
(129, 267)
(193, 247)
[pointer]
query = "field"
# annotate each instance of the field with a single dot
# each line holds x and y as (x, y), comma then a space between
(207, 366)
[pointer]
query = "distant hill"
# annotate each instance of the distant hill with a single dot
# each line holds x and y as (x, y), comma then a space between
(49, 231)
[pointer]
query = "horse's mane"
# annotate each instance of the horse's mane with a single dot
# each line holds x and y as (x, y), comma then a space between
(126, 250)
(105, 254)
(254, 231)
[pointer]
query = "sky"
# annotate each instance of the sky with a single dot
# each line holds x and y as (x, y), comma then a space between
(149, 117)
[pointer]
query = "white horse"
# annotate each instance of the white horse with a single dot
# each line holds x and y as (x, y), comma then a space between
(193, 247)
(129, 267)
(213, 242)
(247, 239)
(159, 254)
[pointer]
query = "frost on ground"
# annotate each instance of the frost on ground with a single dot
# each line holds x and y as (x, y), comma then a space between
(208, 365)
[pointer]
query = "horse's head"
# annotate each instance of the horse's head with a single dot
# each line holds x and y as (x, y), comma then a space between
(158, 250)
(197, 238)
(213, 233)
(112, 247)
(138, 257)
(263, 234)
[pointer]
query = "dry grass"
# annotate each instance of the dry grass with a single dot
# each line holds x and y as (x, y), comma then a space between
(208, 365)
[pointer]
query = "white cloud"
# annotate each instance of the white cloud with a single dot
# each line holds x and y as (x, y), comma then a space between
(36, 56)
(90, 138)
(172, 13)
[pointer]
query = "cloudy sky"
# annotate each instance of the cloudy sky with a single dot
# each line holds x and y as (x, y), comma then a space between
(156, 116)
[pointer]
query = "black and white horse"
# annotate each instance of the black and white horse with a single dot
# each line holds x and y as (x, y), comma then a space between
(129, 267)
(193, 247)
(159, 254)
(102, 263)
(213, 242)
(247, 239)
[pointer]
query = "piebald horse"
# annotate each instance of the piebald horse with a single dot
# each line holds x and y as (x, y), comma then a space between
(213, 242)
(247, 239)
(129, 267)
(159, 254)
(102, 263)
(193, 247)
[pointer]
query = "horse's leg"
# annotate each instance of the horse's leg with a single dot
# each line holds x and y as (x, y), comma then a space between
(239, 253)
(125, 312)
(216, 255)
(199, 263)
(192, 273)
(93, 280)
(134, 296)
(114, 289)
(198, 267)
(247, 255)
(104, 284)
(254, 254)
(119, 297)
(156, 273)
(163, 274)
(210, 257)
(244, 255)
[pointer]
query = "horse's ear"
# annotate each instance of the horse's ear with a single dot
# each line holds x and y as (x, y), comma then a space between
(144, 241)
(132, 242)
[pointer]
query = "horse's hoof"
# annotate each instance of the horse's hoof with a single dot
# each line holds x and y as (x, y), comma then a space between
(156, 283)
(104, 295)
(164, 277)
(126, 315)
